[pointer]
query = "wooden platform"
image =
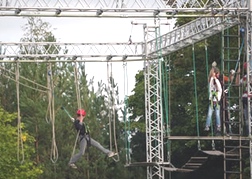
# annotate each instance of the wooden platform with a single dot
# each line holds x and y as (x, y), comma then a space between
(208, 138)
(194, 163)
(147, 164)
(213, 152)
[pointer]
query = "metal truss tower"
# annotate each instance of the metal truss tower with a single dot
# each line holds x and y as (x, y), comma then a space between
(213, 17)
(153, 105)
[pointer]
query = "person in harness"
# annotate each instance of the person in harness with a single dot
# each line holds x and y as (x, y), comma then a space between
(215, 93)
(85, 139)
(224, 103)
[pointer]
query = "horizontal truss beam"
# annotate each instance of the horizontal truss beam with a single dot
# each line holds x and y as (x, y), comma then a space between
(137, 4)
(114, 13)
(49, 51)
(67, 60)
(119, 8)
(208, 138)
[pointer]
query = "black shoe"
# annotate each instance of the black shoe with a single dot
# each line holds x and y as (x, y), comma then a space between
(218, 132)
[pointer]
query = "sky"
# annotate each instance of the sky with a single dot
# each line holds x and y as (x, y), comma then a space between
(92, 30)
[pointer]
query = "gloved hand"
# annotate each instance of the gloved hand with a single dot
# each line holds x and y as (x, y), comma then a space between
(232, 72)
(72, 119)
(214, 64)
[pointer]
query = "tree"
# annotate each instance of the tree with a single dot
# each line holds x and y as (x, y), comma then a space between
(11, 166)
(44, 88)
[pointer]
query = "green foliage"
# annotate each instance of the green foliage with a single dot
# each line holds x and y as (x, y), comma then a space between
(11, 166)
(136, 103)
(186, 111)
(35, 104)
(38, 122)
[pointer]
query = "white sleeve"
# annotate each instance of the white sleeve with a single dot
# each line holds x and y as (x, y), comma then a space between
(210, 88)
(219, 89)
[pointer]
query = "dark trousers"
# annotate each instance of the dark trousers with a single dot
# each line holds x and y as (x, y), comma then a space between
(225, 114)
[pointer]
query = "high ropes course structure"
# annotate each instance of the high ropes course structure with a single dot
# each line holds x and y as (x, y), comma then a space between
(211, 17)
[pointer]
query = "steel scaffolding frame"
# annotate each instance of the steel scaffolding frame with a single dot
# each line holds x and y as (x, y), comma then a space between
(249, 70)
(215, 16)
(153, 108)
(116, 8)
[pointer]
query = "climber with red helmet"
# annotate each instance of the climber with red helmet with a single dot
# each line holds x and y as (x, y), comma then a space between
(84, 139)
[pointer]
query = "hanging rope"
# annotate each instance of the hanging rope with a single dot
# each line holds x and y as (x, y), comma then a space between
(125, 115)
(49, 94)
(20, 77)
(206, 54)
(130, 36)
(208, 78)
(110, 104)
(54, 150)
(20, 145)
(112, 120)
(165, 81)
(77, 88)
(238, 60)
(169, 109)
(164, 85)
(195, 94)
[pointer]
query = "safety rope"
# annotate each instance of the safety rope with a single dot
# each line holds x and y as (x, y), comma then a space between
(110, 104)
(77, 88)
(20, 77)
(195, 93)
(49, 94)
(125, 115)
(54, 150)
(169, 109)
(20, 145)
(10, 78)
(206, 55)
(238, 60)
(130, 36)
(111, 98)
(207, 71)
(166, 82)
(76, 79)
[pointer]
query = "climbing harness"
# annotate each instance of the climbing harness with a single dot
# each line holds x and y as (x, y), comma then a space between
(214, 100)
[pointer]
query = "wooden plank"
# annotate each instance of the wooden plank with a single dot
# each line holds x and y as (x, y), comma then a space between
(213, 152)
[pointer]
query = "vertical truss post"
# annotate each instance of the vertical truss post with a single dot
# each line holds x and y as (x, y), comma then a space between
(153, 108)
(249, 61)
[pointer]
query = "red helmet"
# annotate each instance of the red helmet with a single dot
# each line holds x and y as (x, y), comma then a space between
(81, 112)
